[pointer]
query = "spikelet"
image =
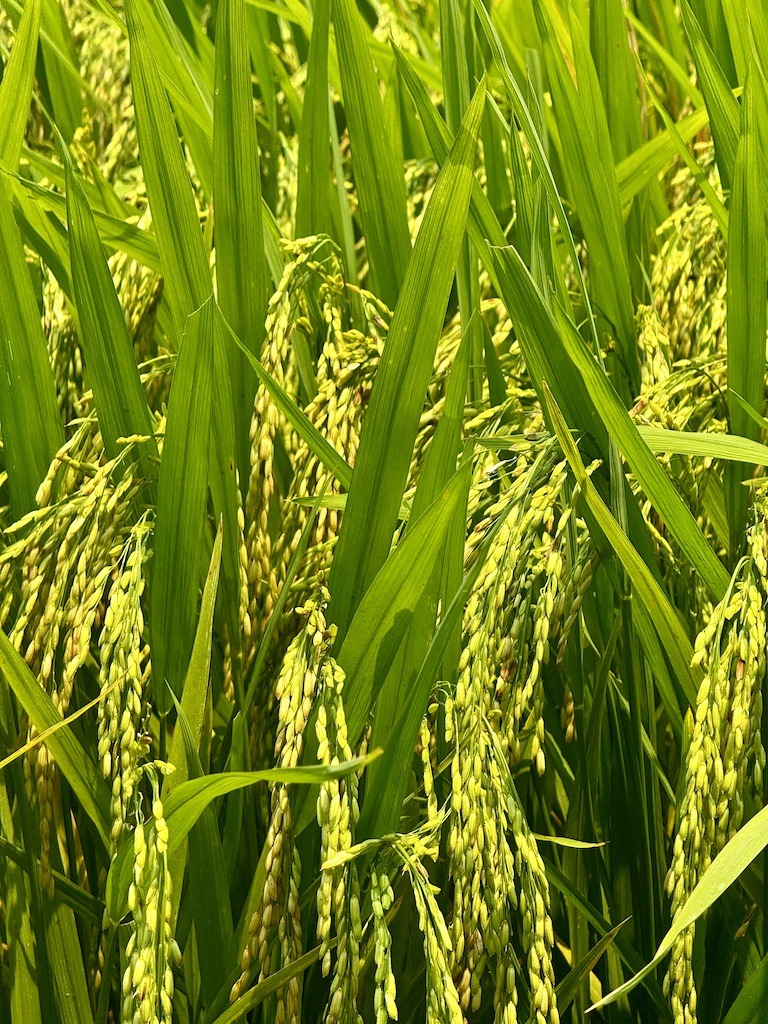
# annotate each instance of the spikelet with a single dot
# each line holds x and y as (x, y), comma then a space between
(152, 951)
(66, 553)
(385, 995)
(122, 677)
(266, 425)
(63, 350)
(346, 365)
(67, 549)
(268, 433)
(443, 1006)
(389, 25)
(494, 864)
(427, 740)
(528, 611)
(139, 291)
(287, 158)
(338, 897)
(533, 904)
(726, 754)
(300, 674)
(686, 395)
(653, 347)
(345, 368)
(574, 592)
(233, 654)
(688, 281)
(684, 189)
(420, 178)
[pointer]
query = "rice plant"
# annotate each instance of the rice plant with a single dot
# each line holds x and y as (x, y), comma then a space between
(383, 526)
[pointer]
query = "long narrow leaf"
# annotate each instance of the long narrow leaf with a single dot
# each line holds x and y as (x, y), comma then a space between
(439, 466)
(379, 180)
(390, 426)
(118, 394)
(241, 270)
(181, 506)
(193, 700)
(185, 805)
(16, 86)
(175, 218)
(312, 186)
(747, 321)
(586, 139)
(721, 103)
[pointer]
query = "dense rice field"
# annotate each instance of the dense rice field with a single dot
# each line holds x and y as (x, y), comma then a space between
(383, 527)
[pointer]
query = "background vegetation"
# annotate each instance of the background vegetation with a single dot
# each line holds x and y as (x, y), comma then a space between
(384, 556)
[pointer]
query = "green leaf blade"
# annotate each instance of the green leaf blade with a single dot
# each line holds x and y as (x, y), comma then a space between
(389, 429)
(181, 507)
(746, 301)
(174, 214)
(16, 86)
(379, 180)
(118, 394)
(241, 269)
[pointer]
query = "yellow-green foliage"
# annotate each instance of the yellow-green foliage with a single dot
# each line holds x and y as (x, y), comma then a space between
(466, 754)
